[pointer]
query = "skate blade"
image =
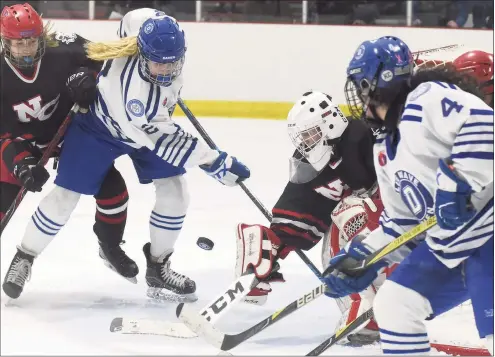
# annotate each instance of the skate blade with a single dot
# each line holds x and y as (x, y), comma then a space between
(111, 267)
(164, 295)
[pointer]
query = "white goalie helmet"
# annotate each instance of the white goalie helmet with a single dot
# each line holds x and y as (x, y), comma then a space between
(315, 124)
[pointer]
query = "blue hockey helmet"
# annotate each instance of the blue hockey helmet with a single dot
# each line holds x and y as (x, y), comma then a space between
(162, 48)
(376, 73)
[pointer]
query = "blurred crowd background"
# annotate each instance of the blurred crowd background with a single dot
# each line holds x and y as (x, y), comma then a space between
(428, 13)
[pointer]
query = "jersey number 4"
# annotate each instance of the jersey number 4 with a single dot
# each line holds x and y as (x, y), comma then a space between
(448, 106)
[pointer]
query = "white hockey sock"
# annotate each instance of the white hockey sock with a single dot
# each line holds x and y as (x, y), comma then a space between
(167, 217)
(400, 313)
(50, 216)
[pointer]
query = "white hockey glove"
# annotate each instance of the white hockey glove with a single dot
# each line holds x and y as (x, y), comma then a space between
(227, 170)
(258, 250)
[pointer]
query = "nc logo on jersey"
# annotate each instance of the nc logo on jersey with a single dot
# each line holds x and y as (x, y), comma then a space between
(149, 28)
(414, 194)
(135, 107)
(34, 110)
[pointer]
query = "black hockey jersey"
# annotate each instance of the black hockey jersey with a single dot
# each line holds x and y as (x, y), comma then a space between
(302, 214)
(35, 104)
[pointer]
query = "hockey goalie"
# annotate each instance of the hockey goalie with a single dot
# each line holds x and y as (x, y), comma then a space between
(331, 196)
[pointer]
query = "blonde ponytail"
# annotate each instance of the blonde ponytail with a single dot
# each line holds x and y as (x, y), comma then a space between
(101, 51)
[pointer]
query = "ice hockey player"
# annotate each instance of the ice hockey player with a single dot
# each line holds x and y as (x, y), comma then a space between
(331, 170)
(36, 65)
(478, 64)
(434, 156)
(140, 80)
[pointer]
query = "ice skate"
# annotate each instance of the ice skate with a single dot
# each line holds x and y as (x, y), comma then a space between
(19, 272)
(164, 284)
(366, 336)
(117, 260)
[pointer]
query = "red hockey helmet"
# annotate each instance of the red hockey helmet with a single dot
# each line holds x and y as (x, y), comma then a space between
(480, 65)
(21, 22)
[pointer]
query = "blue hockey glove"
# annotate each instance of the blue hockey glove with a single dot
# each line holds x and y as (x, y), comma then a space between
(227, 170)
(340, 284)
(452, 201)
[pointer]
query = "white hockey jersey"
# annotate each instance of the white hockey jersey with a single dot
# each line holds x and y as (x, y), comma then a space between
(439, 121)
(137, 112)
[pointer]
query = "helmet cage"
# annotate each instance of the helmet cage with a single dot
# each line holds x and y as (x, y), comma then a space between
(172, 70)
(23, 62)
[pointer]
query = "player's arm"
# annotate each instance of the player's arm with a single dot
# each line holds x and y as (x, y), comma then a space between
(300, 219)
(176, 147)
(79, 56)
(465, 123)
(20, 158)
(366, 148)
(169, 141)
(81, 83)
(340, 284)
(301, 216)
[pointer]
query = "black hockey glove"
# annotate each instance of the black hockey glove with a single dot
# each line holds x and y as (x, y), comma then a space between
(82, 87)
(31, 176)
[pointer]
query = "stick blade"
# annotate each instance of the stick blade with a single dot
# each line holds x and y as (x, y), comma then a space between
(198, 325)
(124, 325)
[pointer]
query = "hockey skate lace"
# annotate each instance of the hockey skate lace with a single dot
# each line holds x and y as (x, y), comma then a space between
(20, 272)
(171, 277)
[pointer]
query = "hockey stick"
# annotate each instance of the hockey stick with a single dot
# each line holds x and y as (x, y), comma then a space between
(340, 334)
(150, 327)
(438, 49)
(44, 159)
(253, 198)
(225, 342)
(211, 313)
(368, 315)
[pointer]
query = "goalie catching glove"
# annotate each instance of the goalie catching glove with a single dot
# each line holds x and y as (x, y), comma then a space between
(258, 250)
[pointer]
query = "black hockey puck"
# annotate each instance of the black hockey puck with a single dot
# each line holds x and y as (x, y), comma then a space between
(205, 243)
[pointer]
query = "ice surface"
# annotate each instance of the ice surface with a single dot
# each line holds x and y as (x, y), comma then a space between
(72, 297)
